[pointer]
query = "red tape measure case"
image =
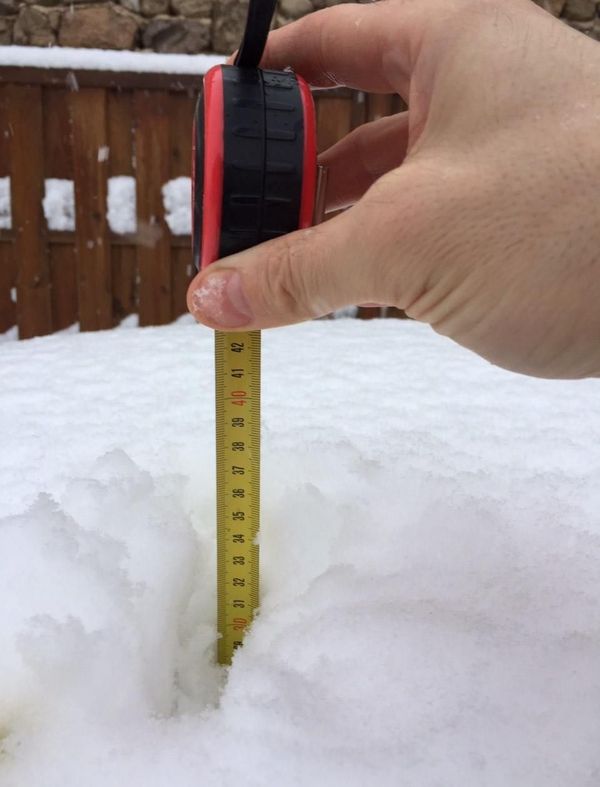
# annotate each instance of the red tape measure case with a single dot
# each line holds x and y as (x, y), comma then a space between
(254, 160)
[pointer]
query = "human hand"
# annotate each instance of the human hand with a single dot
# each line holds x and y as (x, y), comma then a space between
(477, 211)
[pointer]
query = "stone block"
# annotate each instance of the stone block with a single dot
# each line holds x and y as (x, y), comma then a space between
(101, 26)
(579, 10)
(9, 7)
(587, 27)
(555, 7)
(318, 4)
(193, 8)
(131, 5)
(295, 9)
(7, 24)
(36, 25)
(229, 20)
(152, 8)
(178, 34)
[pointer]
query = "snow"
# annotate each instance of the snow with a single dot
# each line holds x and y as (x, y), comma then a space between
(430, 548)
(11, 335)
(121, 201)
(107, 60)
(177, 201)
(59, 204)
(5, 207)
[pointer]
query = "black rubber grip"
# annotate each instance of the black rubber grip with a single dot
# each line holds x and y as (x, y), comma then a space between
(263, 150)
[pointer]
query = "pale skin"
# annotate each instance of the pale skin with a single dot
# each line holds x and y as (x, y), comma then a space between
(477, 211)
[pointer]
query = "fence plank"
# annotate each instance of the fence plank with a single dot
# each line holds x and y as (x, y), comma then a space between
(120, 133)
(8, 281)
(123, 258)
(8, 313)
(58, 139)
(182, 275)
(58, 163)
(358, 114)
(124, 274)
(23, 111)
(152, 171)
(90, 144)
(182, 117)
(380, 105)
(334, 120)
(4, 136)
(63, 273)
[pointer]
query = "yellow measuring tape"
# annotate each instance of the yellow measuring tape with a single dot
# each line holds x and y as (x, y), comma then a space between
(237, 369)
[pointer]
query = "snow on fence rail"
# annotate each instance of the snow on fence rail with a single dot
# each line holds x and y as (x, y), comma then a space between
(102, 130)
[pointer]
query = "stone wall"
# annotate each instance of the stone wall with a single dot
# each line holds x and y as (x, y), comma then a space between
(188, 26)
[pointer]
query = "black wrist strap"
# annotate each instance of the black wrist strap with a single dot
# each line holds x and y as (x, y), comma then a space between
(260, 13)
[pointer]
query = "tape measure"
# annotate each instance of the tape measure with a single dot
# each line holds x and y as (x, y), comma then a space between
(254, 179)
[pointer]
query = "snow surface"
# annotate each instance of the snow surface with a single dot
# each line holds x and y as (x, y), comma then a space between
(107, 60)
(430, 551)
(12, 334)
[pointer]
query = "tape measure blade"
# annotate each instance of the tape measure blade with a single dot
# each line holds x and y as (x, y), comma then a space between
(237, 377)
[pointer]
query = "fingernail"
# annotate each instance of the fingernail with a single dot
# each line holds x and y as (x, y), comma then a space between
(220, 300)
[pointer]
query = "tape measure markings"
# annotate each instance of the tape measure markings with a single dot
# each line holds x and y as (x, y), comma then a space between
(237, 366)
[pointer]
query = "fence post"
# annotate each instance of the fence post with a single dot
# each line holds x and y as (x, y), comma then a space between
(182, 107)
(7, 282)
(334, 119)
(8, 275)
(124, 263)
(23, 106)
(58, 160)
(152, 153)
(90, 168)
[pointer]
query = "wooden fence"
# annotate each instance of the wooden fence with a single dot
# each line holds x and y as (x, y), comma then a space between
(55, 124)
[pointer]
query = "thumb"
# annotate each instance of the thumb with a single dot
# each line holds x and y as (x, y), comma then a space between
(306, 274)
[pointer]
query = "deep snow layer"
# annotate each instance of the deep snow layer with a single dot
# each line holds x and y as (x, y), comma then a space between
(430, 563)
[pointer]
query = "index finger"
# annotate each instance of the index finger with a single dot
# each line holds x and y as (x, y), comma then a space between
(366, 47)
